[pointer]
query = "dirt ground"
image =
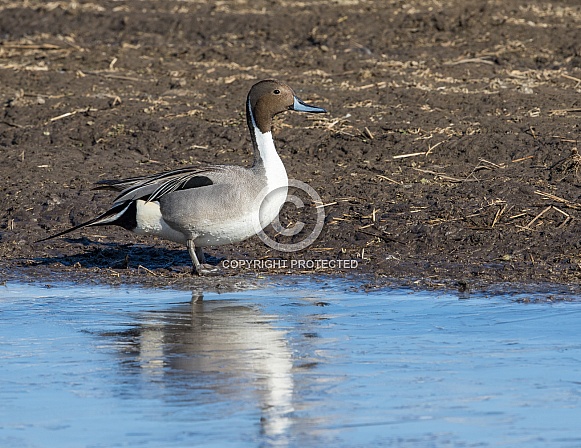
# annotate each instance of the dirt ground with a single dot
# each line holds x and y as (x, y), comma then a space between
(448, 155)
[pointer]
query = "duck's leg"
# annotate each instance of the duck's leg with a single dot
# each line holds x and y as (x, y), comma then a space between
(200, 254)
(198, 259)
(195, 262)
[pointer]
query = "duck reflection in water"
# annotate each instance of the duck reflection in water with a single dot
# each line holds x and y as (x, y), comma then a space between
(217, 350)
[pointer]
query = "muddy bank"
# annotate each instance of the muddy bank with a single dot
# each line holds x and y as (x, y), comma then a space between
(448, 156)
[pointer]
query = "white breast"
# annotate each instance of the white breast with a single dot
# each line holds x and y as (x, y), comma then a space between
(275, 171)
(274, 197)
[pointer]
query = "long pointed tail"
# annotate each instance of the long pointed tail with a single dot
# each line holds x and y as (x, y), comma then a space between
(109, 217)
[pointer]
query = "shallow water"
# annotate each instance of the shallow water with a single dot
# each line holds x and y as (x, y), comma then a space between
(313, 364)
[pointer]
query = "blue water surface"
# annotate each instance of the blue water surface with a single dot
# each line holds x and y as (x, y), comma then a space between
(308, 365)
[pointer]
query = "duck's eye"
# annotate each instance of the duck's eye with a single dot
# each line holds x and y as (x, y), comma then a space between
(276, 92)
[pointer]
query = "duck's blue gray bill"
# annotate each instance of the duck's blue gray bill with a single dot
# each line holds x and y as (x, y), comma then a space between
(301, 106)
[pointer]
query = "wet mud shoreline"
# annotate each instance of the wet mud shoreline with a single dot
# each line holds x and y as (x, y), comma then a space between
(448, 157)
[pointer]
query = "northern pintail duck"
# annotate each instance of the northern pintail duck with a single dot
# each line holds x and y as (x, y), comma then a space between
(215, 205)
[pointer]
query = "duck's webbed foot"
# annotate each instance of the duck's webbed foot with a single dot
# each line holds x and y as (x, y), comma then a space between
(200, 267)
